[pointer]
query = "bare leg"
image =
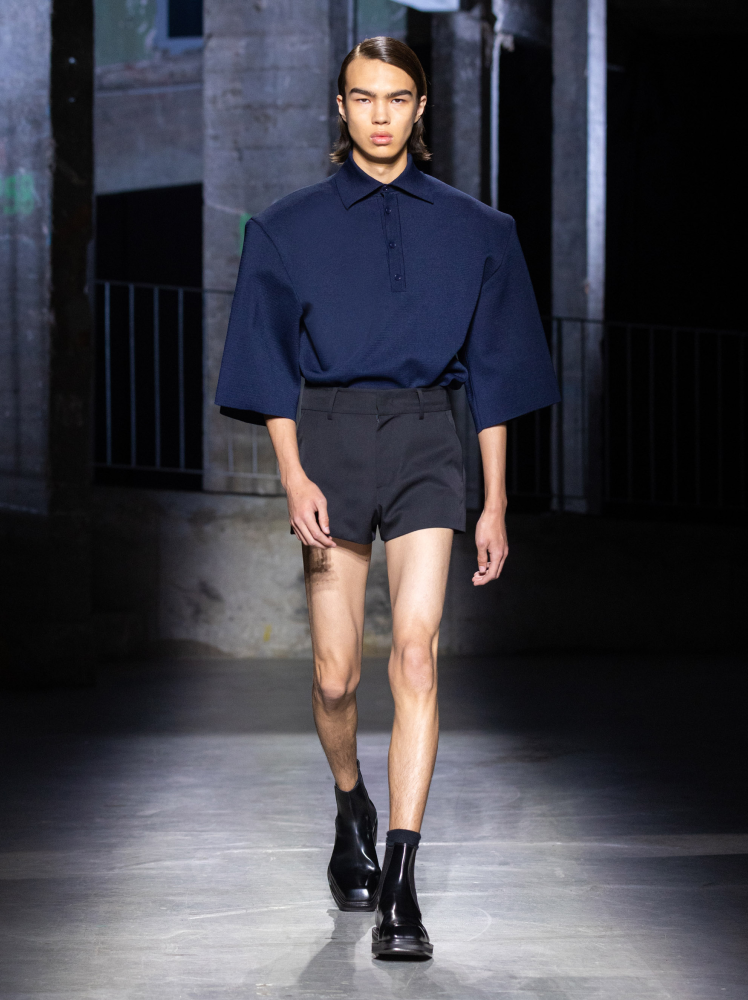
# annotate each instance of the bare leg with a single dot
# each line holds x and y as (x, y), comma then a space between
(336, 587)
(417, 564)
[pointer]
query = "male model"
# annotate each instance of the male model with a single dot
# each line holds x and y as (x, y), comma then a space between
(382, 287)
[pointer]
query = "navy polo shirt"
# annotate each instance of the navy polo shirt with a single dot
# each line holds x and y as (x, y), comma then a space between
(403, 285)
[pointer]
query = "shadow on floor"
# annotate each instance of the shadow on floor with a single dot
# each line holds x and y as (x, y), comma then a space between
(682, 719)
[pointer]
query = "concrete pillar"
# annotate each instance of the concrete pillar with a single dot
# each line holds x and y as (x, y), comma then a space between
(457, 99)
(578, 262)
(266, 113)
(46, 174)
(456, 142)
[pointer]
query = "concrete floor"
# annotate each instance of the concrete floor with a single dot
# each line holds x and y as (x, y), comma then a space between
(167, 835)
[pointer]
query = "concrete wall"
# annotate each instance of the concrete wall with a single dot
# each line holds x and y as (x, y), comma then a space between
(149, 123)
(46, 166)
(125, 31)
(149, 120)
(578, 243)
(266, 115)
(456, 98)
(191, 573)
(25, 266)
(211, 573)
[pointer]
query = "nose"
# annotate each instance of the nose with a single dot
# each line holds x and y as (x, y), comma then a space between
(380, 113)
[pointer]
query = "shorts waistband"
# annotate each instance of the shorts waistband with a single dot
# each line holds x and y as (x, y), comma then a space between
(379, 401)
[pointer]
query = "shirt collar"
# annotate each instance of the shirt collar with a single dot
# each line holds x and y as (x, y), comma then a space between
(353, 184)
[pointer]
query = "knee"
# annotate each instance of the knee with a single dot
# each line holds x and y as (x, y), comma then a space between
(334, 684)
(413, 668)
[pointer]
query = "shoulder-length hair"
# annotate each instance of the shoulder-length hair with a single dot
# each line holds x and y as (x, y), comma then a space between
(396, 53)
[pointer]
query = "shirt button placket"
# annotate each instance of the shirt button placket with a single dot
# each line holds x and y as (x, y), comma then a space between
(393, 240)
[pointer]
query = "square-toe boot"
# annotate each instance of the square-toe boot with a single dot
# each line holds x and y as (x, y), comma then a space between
(399, 932)
(354, 870)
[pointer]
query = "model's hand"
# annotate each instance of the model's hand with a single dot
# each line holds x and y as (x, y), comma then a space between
(492, 545)
(307, 512)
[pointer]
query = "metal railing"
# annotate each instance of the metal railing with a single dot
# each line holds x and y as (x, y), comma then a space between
(149, 371)
(670, 428)
(660, 413)
(528, 469)
(674, 417)
(150, 376)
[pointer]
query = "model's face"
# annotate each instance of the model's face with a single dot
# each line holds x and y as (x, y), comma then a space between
(380, 108)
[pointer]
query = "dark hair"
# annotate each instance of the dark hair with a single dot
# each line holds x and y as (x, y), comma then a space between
(396, 53)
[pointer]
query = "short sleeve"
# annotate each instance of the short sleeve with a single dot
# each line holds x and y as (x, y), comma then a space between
(505, 352)
(260, 367)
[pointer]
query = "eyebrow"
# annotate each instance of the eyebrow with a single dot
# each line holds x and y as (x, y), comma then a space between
(368, 93)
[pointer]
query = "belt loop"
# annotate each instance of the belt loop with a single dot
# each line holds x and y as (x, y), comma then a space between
(420, 402)
(332, 402)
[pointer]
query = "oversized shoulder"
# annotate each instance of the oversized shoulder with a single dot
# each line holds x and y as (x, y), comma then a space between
(469, 211)
(298, 208)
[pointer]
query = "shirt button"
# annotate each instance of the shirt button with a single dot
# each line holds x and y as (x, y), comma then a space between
(391, 245)
(398, 277)
(385, 189)
(387, 211)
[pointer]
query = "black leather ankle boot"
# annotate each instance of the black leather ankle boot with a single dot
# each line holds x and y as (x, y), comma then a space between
(399, 933)
(354, 870)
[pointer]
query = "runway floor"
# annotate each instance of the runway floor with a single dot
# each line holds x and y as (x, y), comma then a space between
(166, 835)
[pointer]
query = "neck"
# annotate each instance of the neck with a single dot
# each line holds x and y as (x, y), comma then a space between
(384, 171)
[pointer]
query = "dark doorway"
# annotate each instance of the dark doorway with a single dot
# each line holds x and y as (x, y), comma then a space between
(525, 185)
(148, 404)
(153, 236)
(525, 156)
(677, 164)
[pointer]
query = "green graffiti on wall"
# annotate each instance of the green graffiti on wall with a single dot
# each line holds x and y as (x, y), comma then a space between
(243, 220)
(17, 194)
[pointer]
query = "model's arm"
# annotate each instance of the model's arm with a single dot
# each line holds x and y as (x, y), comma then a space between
(490, 532)
(307, 507)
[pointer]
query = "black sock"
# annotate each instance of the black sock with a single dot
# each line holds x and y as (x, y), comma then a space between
(403, 837)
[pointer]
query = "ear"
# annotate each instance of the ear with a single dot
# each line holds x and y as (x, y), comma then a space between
(421, 108)
(341, 106)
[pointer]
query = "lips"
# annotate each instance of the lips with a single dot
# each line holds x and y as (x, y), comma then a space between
(381, 138)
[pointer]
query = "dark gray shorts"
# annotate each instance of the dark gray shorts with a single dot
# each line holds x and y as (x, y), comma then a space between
(389, 458)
